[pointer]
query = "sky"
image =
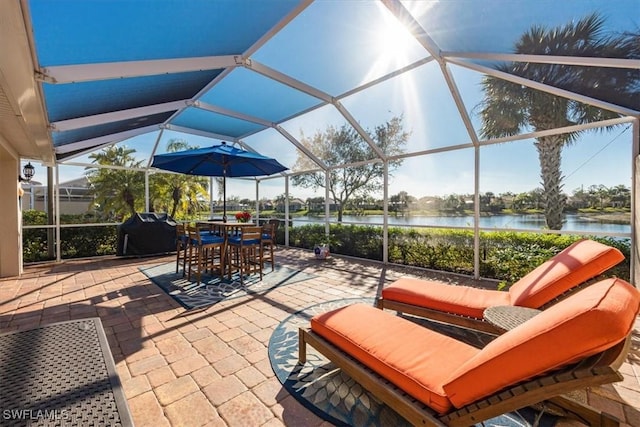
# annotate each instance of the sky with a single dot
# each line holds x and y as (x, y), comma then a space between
(336, 46)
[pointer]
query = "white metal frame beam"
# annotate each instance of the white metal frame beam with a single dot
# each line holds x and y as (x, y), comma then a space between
(301, 147)
(421, 35)
(457, 98)
(354, 123)
(557, 131)
(315, 92)
(126, 69)
(155, 148)
(198, 132)
(95, 143)
(114, 167)
(546, 88)
(279, 26)
(115, 116)
(406, 18)
(530, 135)
(230, 113)
(326, 99)
(399, 72)
(548, 59)
(635, 200)
(287, 80)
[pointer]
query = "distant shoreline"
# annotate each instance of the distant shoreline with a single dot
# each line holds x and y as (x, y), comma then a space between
(612, 218)
(605, 217)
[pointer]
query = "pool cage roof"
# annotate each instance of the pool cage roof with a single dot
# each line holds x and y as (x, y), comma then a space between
(77, 76)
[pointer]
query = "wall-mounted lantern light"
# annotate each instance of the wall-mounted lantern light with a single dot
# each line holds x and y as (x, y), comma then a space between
(28, 171)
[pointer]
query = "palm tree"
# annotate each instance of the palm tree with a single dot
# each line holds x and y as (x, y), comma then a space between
(510, 108)
(184, 193)
(621, 196)
(116, 190)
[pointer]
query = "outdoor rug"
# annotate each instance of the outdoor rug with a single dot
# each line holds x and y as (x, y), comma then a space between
(213, 290)
(332, 395)
(60, 374)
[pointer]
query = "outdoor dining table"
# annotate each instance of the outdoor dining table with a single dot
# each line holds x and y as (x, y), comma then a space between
(226, 229)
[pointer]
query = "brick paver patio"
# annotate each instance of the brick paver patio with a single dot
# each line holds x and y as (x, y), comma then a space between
(210, 367)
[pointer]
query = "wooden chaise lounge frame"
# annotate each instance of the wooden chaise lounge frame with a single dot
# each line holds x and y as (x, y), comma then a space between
(587, 258)
(439, 316)
(601, 368)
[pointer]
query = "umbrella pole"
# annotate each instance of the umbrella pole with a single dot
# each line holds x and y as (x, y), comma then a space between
(224, 198)
(211, 197)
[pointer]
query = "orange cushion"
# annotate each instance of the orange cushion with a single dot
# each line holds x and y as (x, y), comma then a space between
(577, 263)
(585, 323)
(463, 300)
(416, 359)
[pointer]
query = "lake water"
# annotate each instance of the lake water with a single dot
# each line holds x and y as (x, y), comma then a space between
(572, 222)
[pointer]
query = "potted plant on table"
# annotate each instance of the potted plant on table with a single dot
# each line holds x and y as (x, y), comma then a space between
(244, 216)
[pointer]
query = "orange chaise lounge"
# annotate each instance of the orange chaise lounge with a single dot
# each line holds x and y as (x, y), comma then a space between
(432, 379)
(464, 305)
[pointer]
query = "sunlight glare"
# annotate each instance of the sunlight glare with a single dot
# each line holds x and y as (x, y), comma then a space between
(394, 40)
(393, 44)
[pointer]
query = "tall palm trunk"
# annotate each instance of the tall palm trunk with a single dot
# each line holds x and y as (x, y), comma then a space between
(176, 196)
(129, 199)
(549, 153)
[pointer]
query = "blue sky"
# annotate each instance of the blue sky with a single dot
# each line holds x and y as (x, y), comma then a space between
(336, 46)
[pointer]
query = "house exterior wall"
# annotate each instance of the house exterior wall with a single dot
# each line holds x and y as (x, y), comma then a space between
(10, 230)
(69, 205)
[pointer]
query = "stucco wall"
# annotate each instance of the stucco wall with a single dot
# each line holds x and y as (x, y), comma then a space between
(11, 242)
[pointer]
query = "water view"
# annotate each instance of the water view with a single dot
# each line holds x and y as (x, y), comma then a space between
(572, 222)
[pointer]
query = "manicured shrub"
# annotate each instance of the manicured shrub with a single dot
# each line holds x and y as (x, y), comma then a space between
(505, 256)
(75, 242)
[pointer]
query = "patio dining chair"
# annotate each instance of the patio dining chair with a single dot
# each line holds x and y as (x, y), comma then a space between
(465, 305)
(244, 252)
(210, 228)
(182, 247)
(268, 242)
(276, 225)
(206, 253)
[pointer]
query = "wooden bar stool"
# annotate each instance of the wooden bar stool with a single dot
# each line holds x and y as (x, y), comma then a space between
(244, 251)
(268, 242)
(182, 246)
(208, 248)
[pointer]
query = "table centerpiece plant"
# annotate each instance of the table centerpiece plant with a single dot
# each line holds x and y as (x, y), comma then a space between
(244, 216)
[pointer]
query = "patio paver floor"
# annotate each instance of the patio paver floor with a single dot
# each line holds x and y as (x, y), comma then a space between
(211, 367)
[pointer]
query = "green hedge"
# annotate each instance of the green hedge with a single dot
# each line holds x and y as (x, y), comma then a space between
(76, 242)
(505, 256)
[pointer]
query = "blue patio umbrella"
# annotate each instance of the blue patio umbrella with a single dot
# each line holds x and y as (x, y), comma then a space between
(219, 160)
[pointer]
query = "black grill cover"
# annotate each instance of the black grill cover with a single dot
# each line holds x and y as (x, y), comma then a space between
(147, 233)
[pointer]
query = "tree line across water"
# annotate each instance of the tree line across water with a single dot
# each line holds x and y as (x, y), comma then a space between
(595, 197)
(504, 256)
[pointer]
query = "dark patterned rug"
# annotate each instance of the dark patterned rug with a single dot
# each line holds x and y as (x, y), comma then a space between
(60, 374)
(212, 290)
(335, 397)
